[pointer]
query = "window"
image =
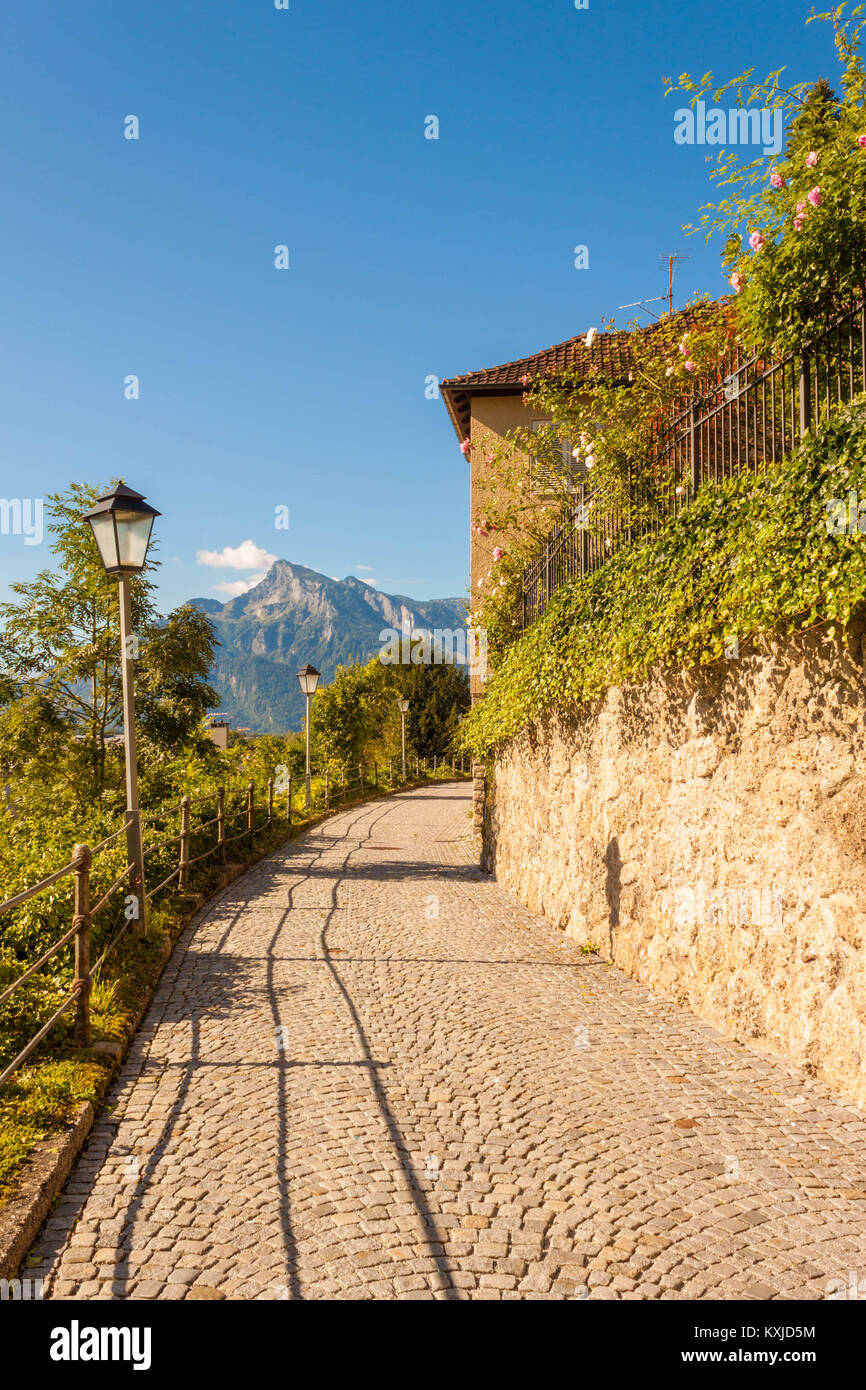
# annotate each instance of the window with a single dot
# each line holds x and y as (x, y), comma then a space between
(555, 461)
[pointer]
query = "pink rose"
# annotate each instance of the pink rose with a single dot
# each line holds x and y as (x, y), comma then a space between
(689, 366)
(497, 553)
(811, 159)
(814, 197)
(798, 224)
(756, 241)
(737, 281)
(776, 179)
(861, 141)
(802, 207)
(465, 446)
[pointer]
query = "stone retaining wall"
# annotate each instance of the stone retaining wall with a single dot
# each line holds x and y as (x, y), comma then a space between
(707, 832)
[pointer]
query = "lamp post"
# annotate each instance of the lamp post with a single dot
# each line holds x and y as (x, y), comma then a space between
(308, 677)
(403, 706)
(121, 522)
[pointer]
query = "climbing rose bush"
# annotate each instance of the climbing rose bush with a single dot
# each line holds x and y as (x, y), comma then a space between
(795, 228)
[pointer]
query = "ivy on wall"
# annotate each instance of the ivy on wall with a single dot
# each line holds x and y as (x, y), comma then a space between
(771, 553)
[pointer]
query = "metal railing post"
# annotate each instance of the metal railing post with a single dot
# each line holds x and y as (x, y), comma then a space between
(693, 453)
(183, 880)
(289, 803)
(361, 777)
(221, 823)
(81, 858)
(546, 573)
(390, 772)
(250, 811)
(270, 800)
(805, 395)
(327, 790)
(343, 782)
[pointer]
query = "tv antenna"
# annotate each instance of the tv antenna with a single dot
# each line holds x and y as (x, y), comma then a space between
(674, 258)
(671, 260)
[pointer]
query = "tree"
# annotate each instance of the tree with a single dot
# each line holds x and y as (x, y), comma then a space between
(60, 680)
(438, 696)
(356, 717)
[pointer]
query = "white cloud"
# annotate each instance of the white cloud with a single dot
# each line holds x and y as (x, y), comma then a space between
(368, 568)
(234, 587)
(246, 556)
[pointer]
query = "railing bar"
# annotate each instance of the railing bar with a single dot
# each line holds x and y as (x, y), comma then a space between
(206, 855)
(159, 886)
(34, 1042)
(204, 825)
(117, 882)
(41, 961)
(161, 844)
(104, 843)
(109, 948)
(161, 814)
(31, 892)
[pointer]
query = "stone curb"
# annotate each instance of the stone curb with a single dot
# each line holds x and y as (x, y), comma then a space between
(48, 1168)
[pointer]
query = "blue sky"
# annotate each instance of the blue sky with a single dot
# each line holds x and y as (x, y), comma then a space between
(409, 257)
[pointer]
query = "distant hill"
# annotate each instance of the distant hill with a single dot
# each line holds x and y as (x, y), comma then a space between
(296, 615)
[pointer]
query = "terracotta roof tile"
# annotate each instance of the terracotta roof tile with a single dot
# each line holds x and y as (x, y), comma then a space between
(608, 357)
(609, 354)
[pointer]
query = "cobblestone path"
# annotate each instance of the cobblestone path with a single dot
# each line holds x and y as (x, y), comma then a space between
(368, 1073)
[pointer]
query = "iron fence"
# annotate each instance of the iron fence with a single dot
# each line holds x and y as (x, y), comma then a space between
(752, 415)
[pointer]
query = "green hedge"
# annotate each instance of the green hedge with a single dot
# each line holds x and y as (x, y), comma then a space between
(754, 555)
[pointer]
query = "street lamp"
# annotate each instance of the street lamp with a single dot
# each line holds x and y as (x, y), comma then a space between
(121, 522)
(403, 706)
(308, 677)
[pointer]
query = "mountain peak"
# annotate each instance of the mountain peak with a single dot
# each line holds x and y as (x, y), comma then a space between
(294, 615)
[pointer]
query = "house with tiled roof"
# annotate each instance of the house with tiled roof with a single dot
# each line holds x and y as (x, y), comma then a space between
(490, 403)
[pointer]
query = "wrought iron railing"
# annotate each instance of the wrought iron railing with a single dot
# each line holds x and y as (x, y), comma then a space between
(754, 414)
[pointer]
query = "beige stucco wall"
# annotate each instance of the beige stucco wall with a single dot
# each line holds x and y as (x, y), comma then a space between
(707, 832)
(491, 416)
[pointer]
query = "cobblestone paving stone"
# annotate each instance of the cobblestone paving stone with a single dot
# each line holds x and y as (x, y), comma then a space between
(461, 1105)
